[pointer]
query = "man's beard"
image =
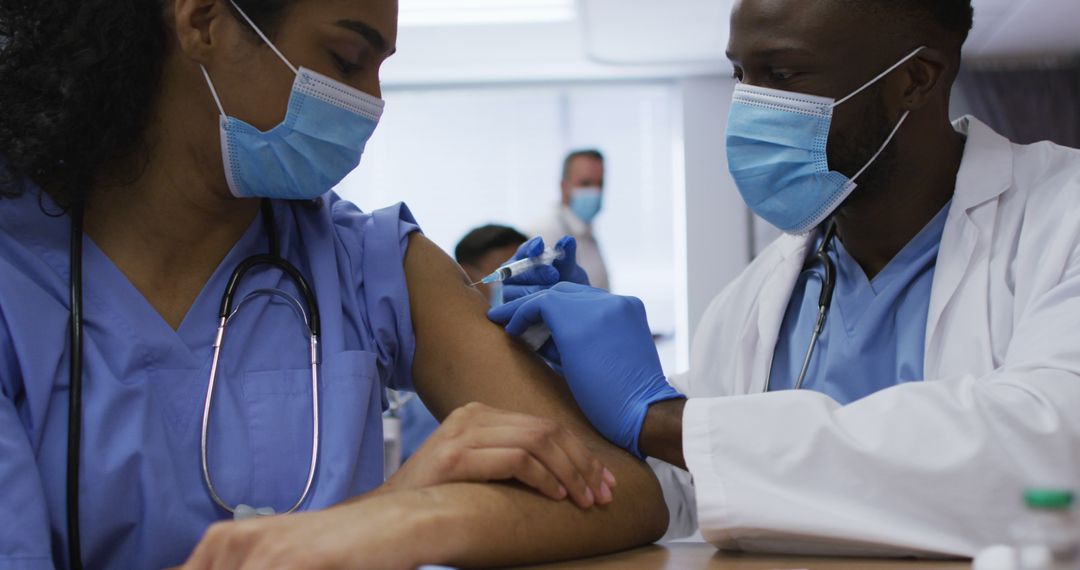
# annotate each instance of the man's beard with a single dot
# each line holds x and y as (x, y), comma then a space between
(849, 152)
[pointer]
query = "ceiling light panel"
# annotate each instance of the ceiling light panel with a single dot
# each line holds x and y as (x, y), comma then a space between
(471, 12)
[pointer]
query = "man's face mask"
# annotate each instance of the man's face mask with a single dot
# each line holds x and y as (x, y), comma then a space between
(320, 141)
(776, 146)
(586, 203)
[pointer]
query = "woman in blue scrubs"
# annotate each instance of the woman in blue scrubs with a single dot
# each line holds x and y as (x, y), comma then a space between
(187, 136)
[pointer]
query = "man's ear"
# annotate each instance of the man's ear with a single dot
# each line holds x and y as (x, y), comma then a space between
(566, 190)
(198, 25)
(923, 76)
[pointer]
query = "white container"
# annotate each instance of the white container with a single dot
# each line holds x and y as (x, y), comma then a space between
(391, 445)
(1048, 536)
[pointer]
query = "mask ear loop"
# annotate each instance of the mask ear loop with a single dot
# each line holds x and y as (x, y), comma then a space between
(880, 76)
(266, 39)
(883, 147)
(898, 124)
(213, 91)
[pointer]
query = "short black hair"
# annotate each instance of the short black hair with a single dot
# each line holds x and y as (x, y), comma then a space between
(956, 17)
(477, 243)
(584, 153)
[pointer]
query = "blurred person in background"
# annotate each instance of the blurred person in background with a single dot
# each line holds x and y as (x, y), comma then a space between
(582, 200)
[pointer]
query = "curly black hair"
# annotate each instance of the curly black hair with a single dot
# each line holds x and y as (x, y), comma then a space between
(77, 81)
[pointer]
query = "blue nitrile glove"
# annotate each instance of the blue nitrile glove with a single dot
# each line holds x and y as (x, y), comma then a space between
(543, 277)
(608, 355)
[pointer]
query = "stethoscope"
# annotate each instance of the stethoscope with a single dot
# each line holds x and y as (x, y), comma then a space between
(828, 286)
(308, 312)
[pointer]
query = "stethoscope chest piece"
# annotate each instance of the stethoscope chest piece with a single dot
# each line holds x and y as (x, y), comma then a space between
(242, 512)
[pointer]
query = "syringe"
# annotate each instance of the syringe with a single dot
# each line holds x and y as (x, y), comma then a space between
(550, 255)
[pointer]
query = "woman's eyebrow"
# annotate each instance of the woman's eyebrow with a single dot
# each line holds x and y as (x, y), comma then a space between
(373, 36)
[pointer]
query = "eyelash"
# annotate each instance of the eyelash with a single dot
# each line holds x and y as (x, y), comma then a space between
(776, 77)
(345, 67)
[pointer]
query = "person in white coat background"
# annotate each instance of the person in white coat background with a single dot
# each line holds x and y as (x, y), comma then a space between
(946, 375)
(581, 200)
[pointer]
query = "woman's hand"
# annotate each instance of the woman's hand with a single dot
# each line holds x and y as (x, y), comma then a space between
(478, 443)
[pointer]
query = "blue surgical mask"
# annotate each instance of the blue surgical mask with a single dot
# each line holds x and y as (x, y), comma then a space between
(585, 203)
(319, 143)
(776, 147)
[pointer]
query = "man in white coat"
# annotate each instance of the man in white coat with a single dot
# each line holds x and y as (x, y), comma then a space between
(581, 199)
(944, 377)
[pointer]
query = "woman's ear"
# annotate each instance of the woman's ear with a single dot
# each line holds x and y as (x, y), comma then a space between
(199, 25)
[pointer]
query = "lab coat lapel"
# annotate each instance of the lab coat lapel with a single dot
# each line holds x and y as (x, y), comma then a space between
(775, 296)
(985, 174)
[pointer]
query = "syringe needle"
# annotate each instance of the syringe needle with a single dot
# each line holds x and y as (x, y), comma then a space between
(521, 266)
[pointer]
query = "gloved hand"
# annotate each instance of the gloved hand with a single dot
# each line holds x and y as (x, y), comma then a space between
(607, 350)
(543, 277)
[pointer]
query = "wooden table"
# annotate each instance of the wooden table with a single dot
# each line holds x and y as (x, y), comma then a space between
(693, 556)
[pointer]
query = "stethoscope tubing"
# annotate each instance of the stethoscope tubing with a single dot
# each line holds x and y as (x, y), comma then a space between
(74, 443)
(219, 342)
(828, 287)
(75, 404)
(226, 313)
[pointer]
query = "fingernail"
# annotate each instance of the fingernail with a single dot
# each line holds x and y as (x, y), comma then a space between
(609, 478)
(605, 494)
(562, 492)
(590, 497)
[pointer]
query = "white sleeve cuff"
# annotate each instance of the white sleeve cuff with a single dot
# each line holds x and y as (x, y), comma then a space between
(713, 510)
(678, 490)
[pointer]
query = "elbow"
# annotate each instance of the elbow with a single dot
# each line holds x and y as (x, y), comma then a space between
(649, 511)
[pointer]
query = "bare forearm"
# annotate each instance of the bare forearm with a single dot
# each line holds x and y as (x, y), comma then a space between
(482, 525)
(461, 357)
(661, 433)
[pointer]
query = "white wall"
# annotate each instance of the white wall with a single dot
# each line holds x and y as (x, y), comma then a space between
(462, 157)
(713, 232)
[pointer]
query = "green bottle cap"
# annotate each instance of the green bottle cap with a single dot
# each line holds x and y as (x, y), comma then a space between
(1048, 499)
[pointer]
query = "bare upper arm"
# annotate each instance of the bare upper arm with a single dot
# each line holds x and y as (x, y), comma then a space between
(462, 357)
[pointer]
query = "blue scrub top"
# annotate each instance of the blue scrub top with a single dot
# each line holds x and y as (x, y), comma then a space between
(875, 331)
(417, 425)
(143, 500)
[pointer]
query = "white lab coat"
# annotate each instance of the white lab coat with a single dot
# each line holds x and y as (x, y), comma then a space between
(562, 223)
(925, 468)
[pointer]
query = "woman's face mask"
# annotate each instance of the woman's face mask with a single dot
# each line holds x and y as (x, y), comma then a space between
(320, 141)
